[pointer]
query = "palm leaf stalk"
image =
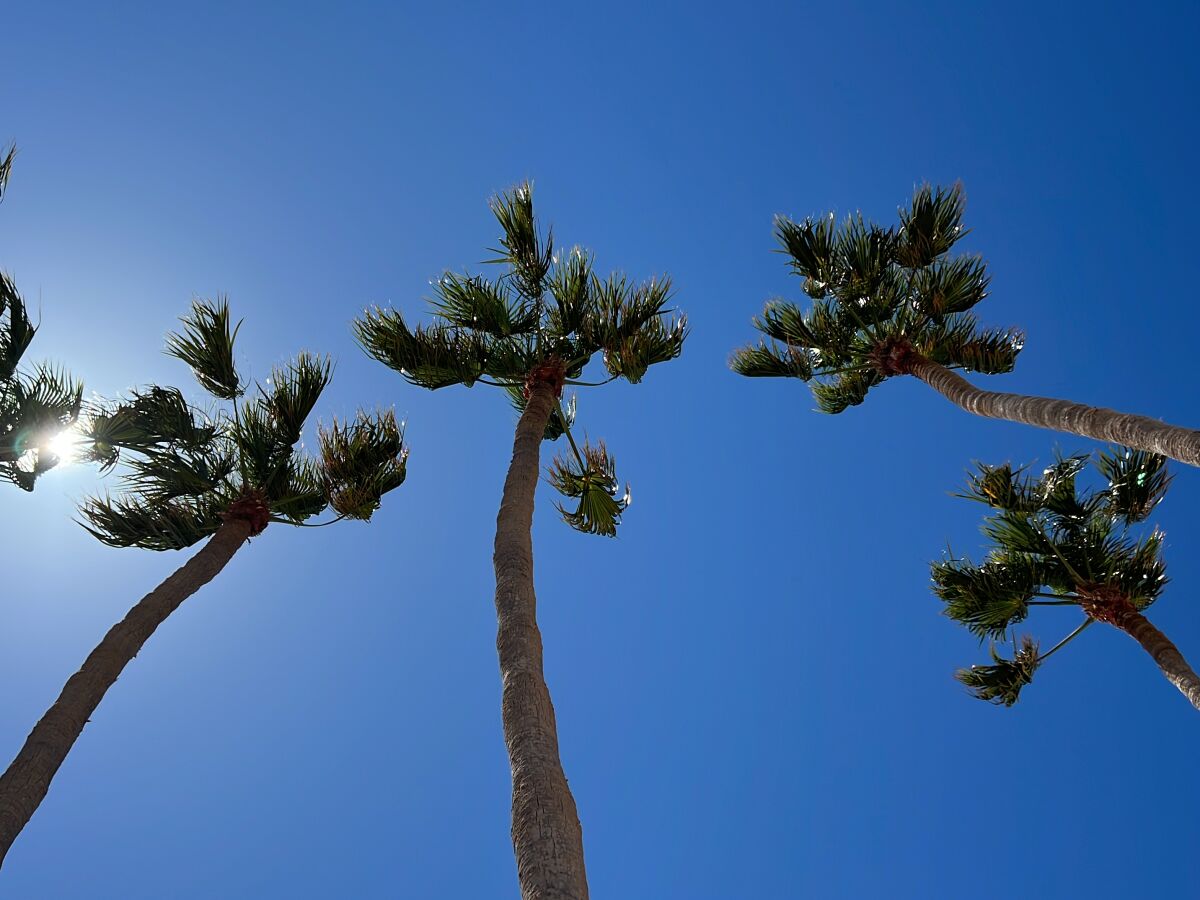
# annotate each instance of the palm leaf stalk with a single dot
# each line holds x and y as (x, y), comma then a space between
(36, 403)
(191, 477)
(530, 332)
(893, 301)
(1056, 545)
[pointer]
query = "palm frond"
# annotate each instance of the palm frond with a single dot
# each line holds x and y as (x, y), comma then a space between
(361, 461)
(594, 485)
(168, 525)
(1001, 683)
(206, 345)
(989, 598)
(1137, 482)
(466, 301)
(154, 417)
(6, 168)
(846, 390)
(295, 390)
(931, 225)
(773, 362)
(570, 284)
(16, 329)
(811, 246)
(430, 357)
(530, 257)
(304, 494)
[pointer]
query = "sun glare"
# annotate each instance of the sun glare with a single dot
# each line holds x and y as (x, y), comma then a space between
(67, 445)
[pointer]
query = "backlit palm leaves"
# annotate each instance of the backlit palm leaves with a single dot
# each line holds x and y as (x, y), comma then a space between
(878, 295)
(548, 315)
(1054, 544)
(36, 403)
(184, 467)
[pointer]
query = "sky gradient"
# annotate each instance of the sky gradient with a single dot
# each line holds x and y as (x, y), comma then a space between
(753, 682)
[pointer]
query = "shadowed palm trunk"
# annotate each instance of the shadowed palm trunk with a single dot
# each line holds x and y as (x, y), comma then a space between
(1165, 654)
(24, 784)
(547, 836)
(1139, 432)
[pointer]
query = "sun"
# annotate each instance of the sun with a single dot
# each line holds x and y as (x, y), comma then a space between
(67, 445)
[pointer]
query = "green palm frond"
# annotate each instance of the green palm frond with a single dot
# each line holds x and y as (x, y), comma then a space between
(467, 301)
(571, 286)
(304, 494)
(845, 390)
(154, 417)
(773, 362)
(206, 345)
(930, 225)
(1001, 683)
(167, 525)
(295, 390)
(1137, 482)
(530, 257)
(988, 598)
(16, 329)
(656, 341)
(811, 244)
(431, 357)
(594, 484)
(6, 168)
(361, 461)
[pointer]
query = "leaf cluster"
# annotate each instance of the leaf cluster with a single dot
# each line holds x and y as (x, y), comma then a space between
(183, 466)
(871, 288)
(546, 306)
(1055, 543)
(36, 403)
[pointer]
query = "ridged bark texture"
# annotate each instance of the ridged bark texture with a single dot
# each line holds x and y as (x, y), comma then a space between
(547, 837)
(1165, 654)
(1139, 432)
(24, 784)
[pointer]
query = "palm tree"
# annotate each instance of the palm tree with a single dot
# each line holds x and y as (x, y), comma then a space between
(35, 405)
(1054, 545)
(193, 477)
(530, 332)
(893, 301)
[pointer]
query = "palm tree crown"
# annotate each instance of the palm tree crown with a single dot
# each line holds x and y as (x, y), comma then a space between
(878, 296)
(544, 319)
(1056, 545)
(35, 404)
(187, 469)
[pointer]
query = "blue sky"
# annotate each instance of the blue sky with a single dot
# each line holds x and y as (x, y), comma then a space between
(753, 682)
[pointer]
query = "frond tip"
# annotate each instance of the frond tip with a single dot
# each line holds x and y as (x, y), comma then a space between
(595, 485)
(1001, 683)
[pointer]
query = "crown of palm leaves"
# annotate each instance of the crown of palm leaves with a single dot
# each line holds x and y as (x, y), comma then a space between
(184, 467)
(549, 312)
(1054, 544)
(877, 296)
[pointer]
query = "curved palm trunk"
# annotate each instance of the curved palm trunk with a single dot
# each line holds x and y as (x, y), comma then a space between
(546, 834)
(1139, 432)
(24, 784)
(1165, 654)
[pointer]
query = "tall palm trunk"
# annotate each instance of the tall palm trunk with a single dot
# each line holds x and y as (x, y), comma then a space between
(1140, 432)
(546, 834)
(24, 784)
(1165, 653)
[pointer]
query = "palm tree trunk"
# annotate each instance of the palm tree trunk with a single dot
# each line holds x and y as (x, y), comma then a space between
(1139, 432)
(546, 834)
(24, 784)
(1165, 653)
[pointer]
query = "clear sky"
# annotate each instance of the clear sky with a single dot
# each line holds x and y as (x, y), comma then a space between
(753, 682)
